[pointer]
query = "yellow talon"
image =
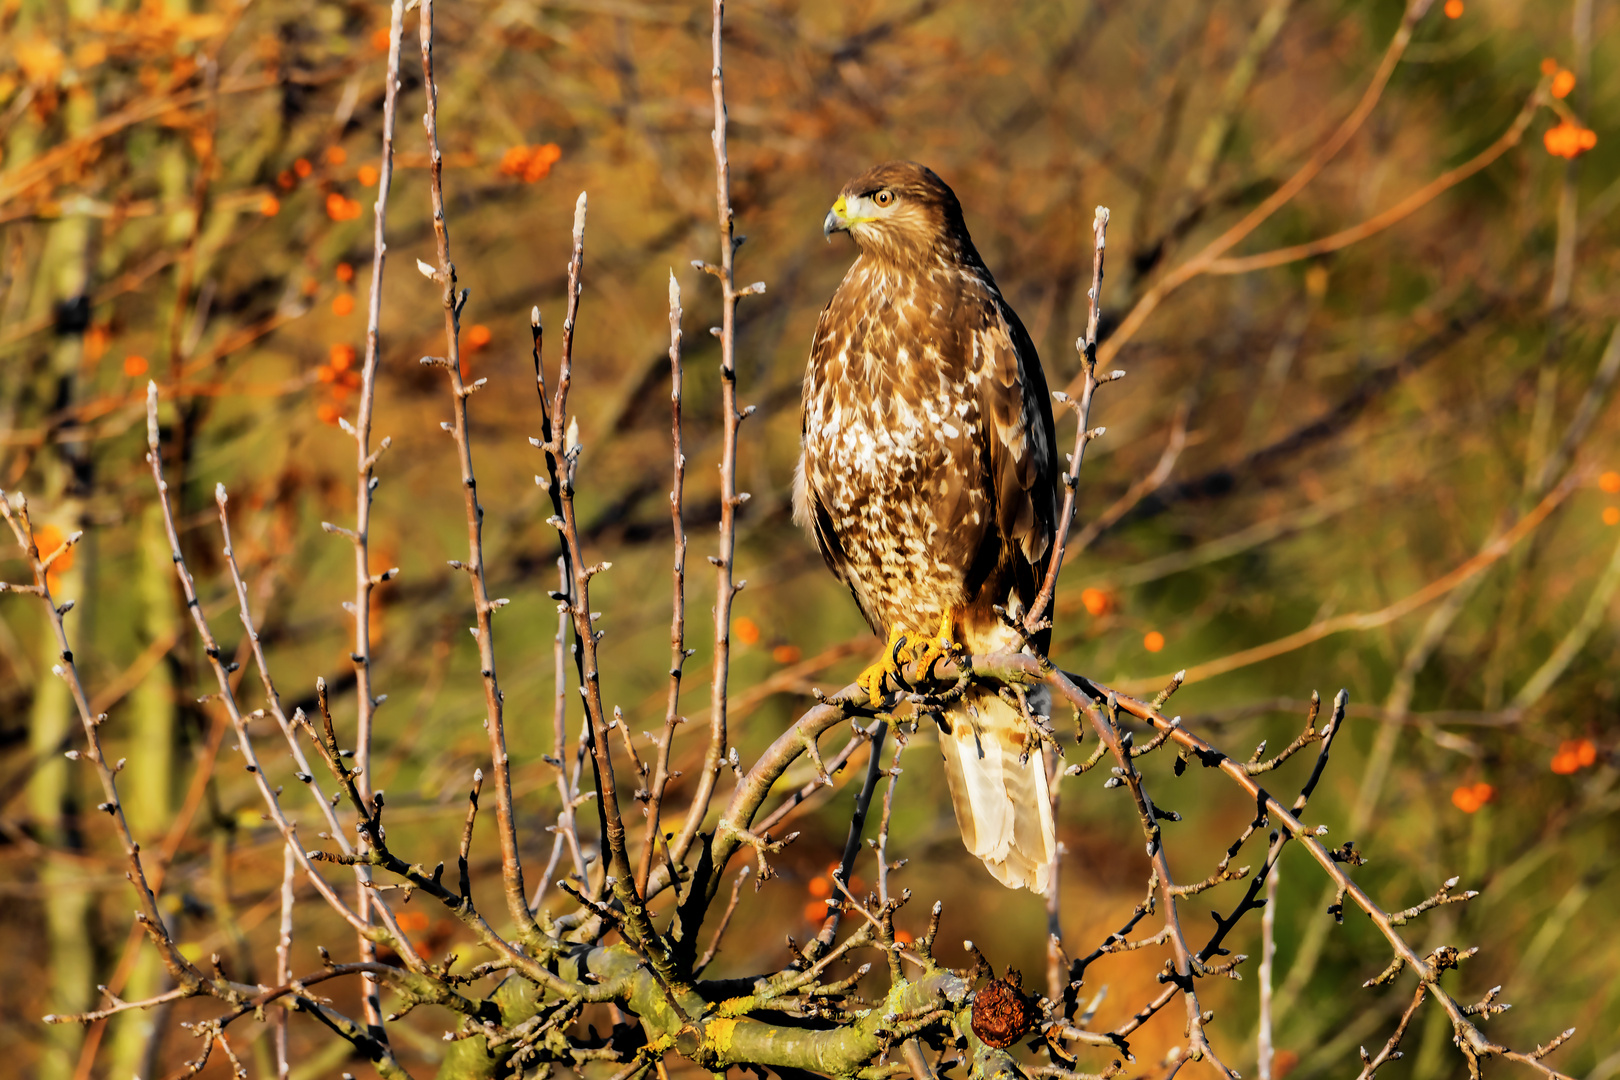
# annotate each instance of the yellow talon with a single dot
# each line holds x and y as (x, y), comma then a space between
(898, 650)
(939, 647)
(871, 680)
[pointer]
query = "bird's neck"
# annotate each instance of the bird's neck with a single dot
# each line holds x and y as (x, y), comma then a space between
(947, 254)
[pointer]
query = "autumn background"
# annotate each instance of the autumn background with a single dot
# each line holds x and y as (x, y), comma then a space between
(1303, 451)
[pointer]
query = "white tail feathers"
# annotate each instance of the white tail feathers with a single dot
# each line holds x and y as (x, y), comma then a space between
(1002, 804)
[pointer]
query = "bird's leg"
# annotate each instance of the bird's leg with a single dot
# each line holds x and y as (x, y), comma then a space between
(941, 646)
(871, 680)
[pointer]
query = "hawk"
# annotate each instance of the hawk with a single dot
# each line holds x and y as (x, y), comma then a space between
(928, 476)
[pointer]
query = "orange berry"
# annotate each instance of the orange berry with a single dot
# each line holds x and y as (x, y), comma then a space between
(820, 887)
(1465, 799)
(1565, 762)
(342, 357)
(302, 167)
(336, 155)
(786, 654)
(540, 163)
(342, 304)
(1568, 140)
(134, 366)
(1096, 601)
(412, 920)
(47, 538)
(285, 180)
(381, 39)
(513, 161)
(902, 937)
(1549, 66)
(1585, 753)
(345, 271)
(1484, 792)
(324, 373)
(1610, 482)
(1153, 641)
(529, 163)
(746, 630)
(95, 342)
(815, 911)
(478, 336)
(341, 208)
(269, 206)
(1611, 515)
(1454, 9)
(367, 175)
(1563, 83)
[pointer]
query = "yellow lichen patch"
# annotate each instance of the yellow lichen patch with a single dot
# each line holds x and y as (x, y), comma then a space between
(719, 1031)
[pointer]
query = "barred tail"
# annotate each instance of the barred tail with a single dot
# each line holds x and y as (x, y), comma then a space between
(1002, 804)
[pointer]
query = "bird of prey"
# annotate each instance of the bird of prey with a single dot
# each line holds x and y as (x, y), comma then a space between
(928, 477)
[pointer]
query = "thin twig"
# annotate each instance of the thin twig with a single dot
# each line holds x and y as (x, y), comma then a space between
(365, 484)
(1268, 958)
(289, 867)
(678, 651)
(852, 843)
(1391, 1050)
(1039, 610)
(66, 669)
(1185, 967)
(726, 585)
(567, 827)
(725, 921)
(444, 274)
(881, 845)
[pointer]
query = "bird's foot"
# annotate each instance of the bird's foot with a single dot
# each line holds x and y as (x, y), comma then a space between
(942, 646)
(887, 666)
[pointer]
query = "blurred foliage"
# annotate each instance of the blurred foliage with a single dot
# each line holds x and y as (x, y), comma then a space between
(185, 195)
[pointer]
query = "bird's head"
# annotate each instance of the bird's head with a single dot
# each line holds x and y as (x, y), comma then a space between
(899, 211)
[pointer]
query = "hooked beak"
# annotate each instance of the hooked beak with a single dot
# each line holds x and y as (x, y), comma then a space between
(835, 221)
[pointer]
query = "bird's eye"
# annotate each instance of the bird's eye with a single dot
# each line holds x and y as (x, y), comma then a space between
(883, 198)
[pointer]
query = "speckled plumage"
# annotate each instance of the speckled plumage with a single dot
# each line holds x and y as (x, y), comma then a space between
(928, 470)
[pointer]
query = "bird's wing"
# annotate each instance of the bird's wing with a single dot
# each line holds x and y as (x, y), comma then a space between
(1017, 410)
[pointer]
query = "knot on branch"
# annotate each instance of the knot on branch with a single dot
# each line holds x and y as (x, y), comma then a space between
(1448, 958)
(1347, 853)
